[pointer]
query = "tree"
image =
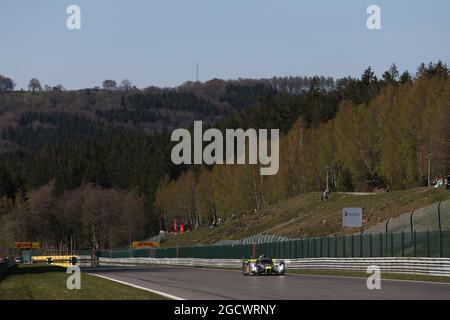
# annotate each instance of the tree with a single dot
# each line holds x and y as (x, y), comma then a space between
(34, 85)
(109, 85)
(126, 85)
(421, 71)
(406, 77)
(391, 75)
(369, 86)
(59, 88)
(6, 84)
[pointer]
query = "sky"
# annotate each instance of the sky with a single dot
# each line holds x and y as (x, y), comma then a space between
(158, 42)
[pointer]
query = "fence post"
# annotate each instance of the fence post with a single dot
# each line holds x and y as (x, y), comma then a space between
(439, 215)
(328, 247)
(403, 243)
(353, 246)
(254, 251)
(300, 248)
(336, 246)
(370, 246)
(314, 248)
(308, 248)
(321, 247)
(381, 245)
(343, 246)
(392, 244)
(361, 244)
(441, 248)
(415, 243)
(287, 249)
(428, 243)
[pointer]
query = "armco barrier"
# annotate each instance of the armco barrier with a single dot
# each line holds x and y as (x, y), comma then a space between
(422, 266)
(186, 262)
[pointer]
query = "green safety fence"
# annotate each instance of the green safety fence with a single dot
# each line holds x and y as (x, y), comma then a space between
(401, 244)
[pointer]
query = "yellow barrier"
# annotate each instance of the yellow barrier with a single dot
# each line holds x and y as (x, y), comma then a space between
(55, 258)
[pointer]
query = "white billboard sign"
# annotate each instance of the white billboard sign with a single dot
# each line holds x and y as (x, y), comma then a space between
(352, 217)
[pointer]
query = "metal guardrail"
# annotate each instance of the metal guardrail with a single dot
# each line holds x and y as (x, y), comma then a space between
(422, 266)
(186, 262)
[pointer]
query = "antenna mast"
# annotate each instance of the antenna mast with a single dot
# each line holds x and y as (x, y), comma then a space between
(197, 71)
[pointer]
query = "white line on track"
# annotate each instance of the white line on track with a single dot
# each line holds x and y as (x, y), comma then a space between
(139, 287)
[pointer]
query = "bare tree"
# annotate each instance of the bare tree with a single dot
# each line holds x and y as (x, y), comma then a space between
(34, 85)
(59, 88)
(109, 85)
(126, 85)
(6, 84)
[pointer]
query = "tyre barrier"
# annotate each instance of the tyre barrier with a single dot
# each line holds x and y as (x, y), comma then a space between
(420, 266)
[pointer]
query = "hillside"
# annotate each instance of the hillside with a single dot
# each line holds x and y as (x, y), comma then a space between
(95, 164)
(308, 216)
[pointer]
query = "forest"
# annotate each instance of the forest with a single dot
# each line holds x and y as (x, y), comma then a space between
(94, 165)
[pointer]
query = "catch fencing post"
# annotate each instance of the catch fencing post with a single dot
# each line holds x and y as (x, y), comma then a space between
(336, 246)
(321, 247)
(299, 248)
(381, 245)
(392, 244)
(439, 215)
(428, 243)
(403, 243)
(343, 247)
(441, 249)
(328, 247)
(314, 248)
(361, 244)
(353, 246)
(295, 249)
(370, 246)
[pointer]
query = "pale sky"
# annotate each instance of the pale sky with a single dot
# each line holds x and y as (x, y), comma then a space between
(158, 42)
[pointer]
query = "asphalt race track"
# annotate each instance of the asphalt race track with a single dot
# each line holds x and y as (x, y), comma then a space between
(214, 284)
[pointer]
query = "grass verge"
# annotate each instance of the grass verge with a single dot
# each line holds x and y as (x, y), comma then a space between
(43, 282)
(307, 216)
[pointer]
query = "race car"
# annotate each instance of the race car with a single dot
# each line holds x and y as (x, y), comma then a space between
(263, 266)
